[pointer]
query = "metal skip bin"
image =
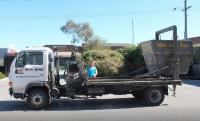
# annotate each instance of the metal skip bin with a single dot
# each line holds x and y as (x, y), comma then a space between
(159, 54)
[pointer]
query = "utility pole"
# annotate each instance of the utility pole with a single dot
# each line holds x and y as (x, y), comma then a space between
(185, 10)
(132, 32)
(185, 14)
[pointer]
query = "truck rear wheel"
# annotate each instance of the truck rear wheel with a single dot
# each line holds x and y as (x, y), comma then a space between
(37, 99)
(154, 96)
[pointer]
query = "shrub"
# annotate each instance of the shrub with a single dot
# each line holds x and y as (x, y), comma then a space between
(2, 75)
(108, 62)
(133, 59)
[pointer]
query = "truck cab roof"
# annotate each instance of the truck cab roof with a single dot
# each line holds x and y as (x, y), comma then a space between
(37, 49)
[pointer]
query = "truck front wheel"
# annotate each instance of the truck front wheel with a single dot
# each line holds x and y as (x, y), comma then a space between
(154, 96)
(37, 99)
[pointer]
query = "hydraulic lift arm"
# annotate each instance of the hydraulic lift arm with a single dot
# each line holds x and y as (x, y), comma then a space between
(175, 51)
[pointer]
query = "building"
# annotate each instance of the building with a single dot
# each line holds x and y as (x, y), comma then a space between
(195, 41)
(115, 46)
(3, 52)
(64, 52)
(6, 57)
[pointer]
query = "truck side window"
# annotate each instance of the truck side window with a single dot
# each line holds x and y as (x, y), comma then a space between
(20, 62)
(34, 58)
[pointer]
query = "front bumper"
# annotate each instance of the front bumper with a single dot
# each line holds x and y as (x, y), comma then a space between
(16, 95)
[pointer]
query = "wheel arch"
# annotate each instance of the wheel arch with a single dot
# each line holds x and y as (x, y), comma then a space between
(163, 88)
(39, 85)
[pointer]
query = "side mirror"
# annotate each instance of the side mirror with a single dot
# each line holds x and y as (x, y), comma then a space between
(51, 64)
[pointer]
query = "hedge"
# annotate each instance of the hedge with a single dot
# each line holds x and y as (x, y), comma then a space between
(108, 62)
(2, 75)
(133, 59)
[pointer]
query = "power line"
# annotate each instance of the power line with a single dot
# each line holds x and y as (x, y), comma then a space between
(15, 0)
(130, 13)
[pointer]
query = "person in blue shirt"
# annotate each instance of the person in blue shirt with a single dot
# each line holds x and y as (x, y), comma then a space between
(92, 70)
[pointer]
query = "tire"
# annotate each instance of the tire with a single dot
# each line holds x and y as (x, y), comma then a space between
(154, 96)
(37, 99)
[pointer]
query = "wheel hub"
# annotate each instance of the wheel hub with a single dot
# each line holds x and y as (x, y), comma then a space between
(37, 100)
(155, 96)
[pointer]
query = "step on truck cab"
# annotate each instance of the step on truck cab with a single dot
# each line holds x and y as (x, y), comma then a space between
(35, 77)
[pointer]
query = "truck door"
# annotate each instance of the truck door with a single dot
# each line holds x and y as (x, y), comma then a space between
(29, 68)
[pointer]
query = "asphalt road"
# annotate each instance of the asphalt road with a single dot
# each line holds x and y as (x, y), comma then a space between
(184, 107)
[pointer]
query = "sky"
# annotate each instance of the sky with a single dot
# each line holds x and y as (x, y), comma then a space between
(37, 22)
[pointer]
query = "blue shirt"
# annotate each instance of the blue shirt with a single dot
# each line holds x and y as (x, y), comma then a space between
(91, 71)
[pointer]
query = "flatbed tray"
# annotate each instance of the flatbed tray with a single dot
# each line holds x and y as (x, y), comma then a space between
(132, 81)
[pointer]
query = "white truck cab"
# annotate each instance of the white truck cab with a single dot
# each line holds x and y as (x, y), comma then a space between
(30, 68)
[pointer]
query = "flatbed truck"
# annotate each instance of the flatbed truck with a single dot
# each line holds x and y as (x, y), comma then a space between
(34, 76)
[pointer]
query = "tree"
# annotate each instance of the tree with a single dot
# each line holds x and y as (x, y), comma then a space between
(96, 43)
(82, 32)
(78, 31)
